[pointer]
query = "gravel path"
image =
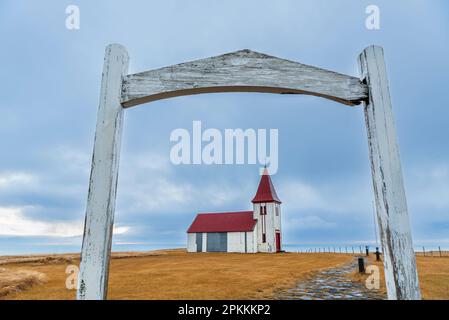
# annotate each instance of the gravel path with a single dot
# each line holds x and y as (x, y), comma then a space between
(331, 284)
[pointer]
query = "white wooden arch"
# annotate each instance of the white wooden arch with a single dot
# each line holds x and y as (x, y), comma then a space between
(248, 71)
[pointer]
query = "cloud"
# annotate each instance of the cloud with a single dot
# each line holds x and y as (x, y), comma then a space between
(14, 179)
(299, 195)
(166, 194)
(430, 187)
(309, 223)
(148, 161)
(48, 140)
(148, 183)
(13, 222)
(339, 197)
(71, 158)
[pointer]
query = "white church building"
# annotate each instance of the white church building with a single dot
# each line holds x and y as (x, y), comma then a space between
(253, 231)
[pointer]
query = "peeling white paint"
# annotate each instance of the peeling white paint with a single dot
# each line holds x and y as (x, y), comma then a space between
(241, 71)
(94, 266)
(392, 217)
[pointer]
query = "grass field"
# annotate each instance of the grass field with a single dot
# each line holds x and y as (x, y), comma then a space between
(433, 275)
(175, 274)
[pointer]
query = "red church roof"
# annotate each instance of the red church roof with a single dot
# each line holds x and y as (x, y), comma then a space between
(266, 191)
(223, 222)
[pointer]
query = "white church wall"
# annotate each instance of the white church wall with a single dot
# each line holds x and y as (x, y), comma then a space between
(236, 242)
(191, 242)
(250, 238)
(204, 242)
(257, 229)
(271, 237)
(277, 218)
(271, 225)
(256, 211)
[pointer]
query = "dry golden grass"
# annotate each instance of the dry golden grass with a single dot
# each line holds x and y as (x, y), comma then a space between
(14, 281)
(175, 274)
(433, 273)
(38, 259)
(68, 258)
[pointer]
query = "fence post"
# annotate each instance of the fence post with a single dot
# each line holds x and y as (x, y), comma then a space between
(439, 249)
(424, 251)
(361, 265)
(377, 254)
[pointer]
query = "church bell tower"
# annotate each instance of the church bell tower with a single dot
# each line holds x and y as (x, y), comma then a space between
(267, 212)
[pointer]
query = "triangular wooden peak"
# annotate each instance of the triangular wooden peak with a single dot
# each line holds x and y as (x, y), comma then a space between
(239, 54)
(241, 71)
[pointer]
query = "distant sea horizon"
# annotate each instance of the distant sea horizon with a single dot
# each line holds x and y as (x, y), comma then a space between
(23, 249)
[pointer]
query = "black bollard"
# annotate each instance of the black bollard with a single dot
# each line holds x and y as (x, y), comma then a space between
(377, 254)
(367, 251)
(361, 265)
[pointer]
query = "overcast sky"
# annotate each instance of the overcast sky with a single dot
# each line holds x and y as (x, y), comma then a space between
(49, 89)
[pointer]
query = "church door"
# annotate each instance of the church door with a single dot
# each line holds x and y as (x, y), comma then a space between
(278, 241)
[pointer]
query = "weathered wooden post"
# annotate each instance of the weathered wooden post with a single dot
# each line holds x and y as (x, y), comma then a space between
(95, 253)
(392, 216)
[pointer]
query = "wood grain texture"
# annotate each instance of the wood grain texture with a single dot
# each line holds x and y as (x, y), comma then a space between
(392, 216)
(94, 266)
(241, 71)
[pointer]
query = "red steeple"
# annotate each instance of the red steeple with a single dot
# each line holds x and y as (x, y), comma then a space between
(266, 191)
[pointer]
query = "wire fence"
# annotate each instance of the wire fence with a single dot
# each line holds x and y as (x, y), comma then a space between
(367, 250)
(356, 250)
(432, 252)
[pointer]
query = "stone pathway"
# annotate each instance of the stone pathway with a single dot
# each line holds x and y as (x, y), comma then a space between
(331, 284)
